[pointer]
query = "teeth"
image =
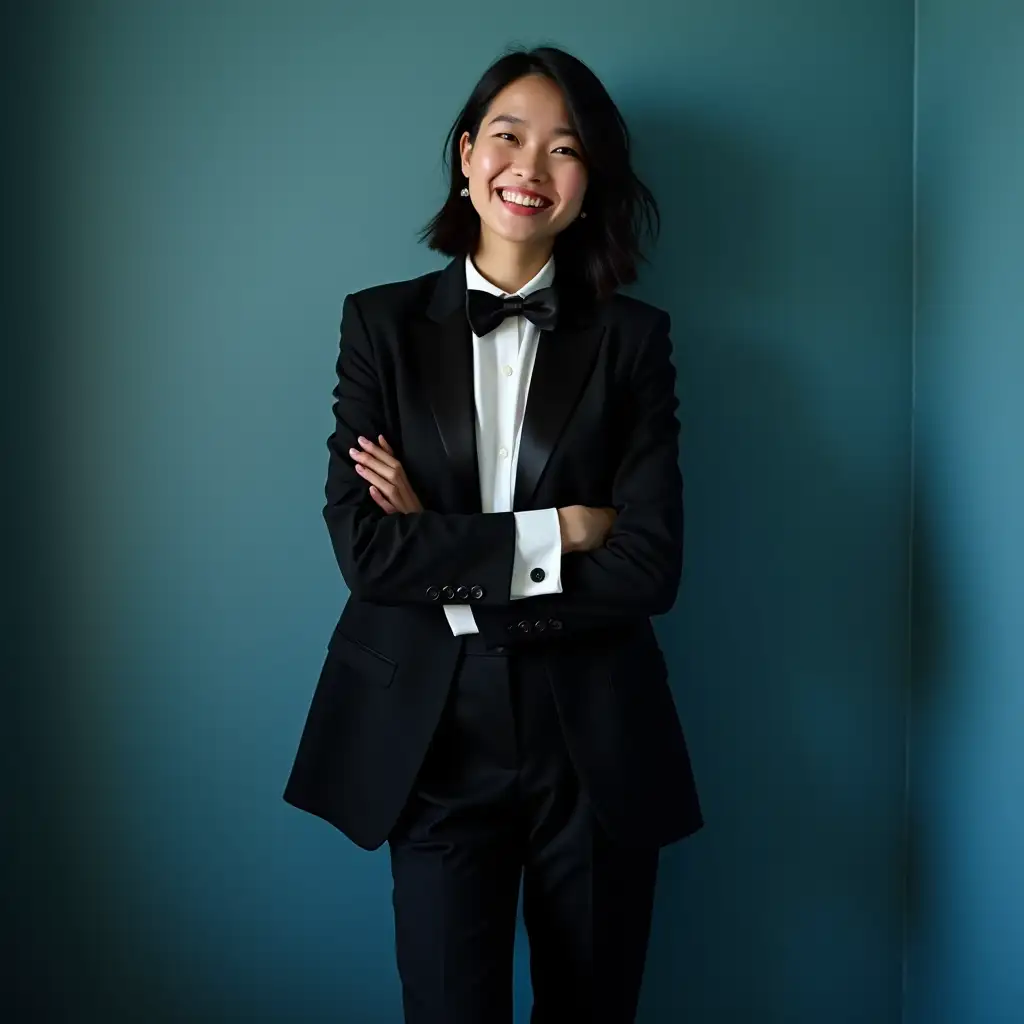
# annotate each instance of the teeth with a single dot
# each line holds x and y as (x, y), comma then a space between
(520, 199)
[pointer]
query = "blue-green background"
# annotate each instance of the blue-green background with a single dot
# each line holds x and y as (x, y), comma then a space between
(191, 188)
(966, 949)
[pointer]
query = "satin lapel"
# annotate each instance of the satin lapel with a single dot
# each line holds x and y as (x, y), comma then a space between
(565, 359)
(445, 352)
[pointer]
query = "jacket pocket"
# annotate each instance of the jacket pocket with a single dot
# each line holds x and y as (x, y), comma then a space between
(361, 661)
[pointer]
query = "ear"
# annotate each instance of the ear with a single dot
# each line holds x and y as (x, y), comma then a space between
(465, 149)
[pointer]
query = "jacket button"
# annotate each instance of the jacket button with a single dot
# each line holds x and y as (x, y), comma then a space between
(555, 623)
(540, 625)
(524, 626)
(511, 627)
(476, 593)
(448, 593)
(537, 575)
(462, 593)
(433, 594)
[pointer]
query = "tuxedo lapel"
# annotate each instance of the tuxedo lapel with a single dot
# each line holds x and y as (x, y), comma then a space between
(444, 345)
(564, 362)
(565, 359)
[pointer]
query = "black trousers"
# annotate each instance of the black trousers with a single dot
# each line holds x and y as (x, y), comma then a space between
(498, 804)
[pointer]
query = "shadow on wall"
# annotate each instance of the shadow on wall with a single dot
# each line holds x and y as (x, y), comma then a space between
(934, 622)
(789, 902)
(35, 856)
(931, 634)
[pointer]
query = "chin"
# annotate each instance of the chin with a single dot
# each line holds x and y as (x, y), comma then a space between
(522, 233)
(524, 237)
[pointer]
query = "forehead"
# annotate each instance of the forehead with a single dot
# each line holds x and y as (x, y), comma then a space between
(534, 100)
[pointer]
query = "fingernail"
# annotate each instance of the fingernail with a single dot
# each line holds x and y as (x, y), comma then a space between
(359, 469)
(353, 451)
(362, 440)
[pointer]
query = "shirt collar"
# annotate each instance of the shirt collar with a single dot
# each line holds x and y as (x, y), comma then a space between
(544, 278)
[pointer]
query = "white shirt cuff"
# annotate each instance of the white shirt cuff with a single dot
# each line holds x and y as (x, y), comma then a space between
(537, 564)
(461, 619)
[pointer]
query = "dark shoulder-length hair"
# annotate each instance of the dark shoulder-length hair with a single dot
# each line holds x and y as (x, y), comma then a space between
(600, 251)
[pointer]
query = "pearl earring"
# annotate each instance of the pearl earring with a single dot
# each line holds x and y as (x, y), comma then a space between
(583, 214)
(464, 193)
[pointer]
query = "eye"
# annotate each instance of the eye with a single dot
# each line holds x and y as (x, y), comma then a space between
(568, 151)
(507, 136)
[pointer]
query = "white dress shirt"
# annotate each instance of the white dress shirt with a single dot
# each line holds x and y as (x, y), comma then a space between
(502, 367)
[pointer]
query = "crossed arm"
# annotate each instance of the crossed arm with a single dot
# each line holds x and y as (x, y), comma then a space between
(621, 563)
(580, 528)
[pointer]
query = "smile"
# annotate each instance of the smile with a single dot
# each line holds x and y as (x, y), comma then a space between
(522, 202)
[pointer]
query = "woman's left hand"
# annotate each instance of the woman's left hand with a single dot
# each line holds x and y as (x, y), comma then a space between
(389, 486)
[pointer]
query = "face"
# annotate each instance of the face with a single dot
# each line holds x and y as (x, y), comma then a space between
(526, 175)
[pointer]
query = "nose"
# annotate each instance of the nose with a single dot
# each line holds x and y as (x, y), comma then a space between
(531, 165)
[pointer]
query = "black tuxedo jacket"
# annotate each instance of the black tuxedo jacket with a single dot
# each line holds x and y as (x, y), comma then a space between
(600, 429)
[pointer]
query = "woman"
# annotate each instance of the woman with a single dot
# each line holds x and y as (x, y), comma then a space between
(505, 505)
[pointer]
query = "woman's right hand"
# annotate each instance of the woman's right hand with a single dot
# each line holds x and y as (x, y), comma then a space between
(583, 528)
(385, 476)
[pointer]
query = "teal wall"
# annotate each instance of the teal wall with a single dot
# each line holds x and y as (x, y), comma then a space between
(967, 936)
(204, 182)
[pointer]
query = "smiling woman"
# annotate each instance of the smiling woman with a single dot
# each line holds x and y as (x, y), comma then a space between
(505, 505)
(526, 176)
(541, 124)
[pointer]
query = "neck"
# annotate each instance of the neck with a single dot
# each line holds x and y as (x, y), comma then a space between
(509, 266)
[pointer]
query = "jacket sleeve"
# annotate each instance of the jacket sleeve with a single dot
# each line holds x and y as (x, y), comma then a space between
(420, 558)
(636, 573)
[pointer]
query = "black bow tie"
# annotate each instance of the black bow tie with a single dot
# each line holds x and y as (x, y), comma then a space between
(485, 311)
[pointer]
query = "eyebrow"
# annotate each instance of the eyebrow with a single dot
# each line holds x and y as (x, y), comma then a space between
(512, 119)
